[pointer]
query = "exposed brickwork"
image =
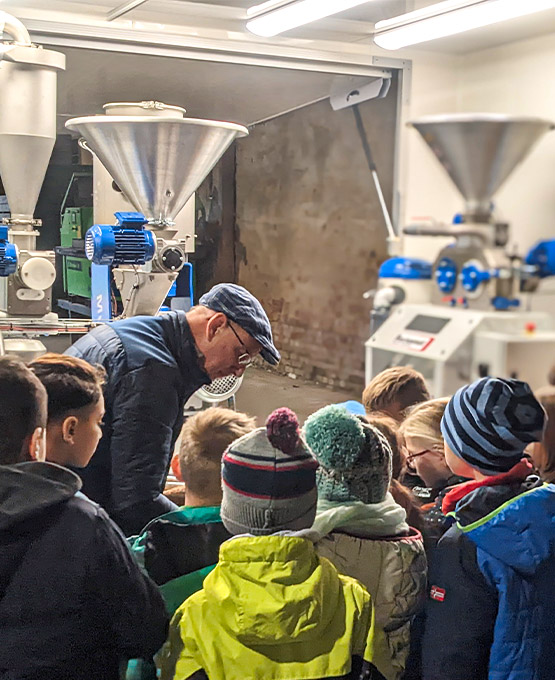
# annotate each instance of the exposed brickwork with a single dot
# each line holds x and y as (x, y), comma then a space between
(310, 233)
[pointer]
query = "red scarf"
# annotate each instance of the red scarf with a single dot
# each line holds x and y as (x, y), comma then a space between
(515, 475)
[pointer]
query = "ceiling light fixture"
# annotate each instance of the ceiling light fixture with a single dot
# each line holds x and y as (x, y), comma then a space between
(277, 16)
(449, 18)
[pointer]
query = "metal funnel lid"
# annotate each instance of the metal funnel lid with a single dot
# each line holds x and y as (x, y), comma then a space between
(158, 163)
(480, 151)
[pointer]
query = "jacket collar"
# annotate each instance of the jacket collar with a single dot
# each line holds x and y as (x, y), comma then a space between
(515, 475)
(181, 344)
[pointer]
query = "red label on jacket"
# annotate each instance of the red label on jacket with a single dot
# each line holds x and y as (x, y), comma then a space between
(437, 593)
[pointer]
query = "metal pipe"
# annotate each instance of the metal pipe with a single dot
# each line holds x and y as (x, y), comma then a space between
(392, 236)
(14, 28)
(124, 8)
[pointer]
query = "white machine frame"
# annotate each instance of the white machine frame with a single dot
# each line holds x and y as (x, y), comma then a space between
(453, 346)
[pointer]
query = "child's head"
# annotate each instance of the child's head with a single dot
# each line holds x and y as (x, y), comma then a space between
(487, 426)
(269, 479)
(23, 404)
(204, 438)
(354, 456)
(543, 453)
(424, 446)
(394, 390)
(75, 407)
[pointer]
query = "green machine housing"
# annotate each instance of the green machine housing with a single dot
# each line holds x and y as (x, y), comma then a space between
(76, 267)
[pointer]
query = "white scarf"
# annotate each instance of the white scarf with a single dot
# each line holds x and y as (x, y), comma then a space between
(359, 519)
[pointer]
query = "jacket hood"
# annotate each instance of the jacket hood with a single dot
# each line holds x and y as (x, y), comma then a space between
(519, 532)
(273, 588)
(26, 489)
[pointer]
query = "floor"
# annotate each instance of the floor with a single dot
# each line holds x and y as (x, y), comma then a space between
(263, 391)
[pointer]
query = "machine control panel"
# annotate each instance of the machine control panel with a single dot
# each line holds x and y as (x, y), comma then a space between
(420, 332)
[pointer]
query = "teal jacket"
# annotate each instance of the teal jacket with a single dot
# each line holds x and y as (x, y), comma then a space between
(177, 550)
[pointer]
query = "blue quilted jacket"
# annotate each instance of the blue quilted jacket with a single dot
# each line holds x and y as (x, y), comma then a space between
(491, 609)
(153, 368)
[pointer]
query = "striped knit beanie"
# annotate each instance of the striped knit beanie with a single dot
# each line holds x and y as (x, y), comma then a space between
(269, 479)
(489, 423)
(355, 458)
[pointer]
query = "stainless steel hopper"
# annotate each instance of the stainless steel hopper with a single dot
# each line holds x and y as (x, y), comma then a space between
(157, 161)
(480, 151)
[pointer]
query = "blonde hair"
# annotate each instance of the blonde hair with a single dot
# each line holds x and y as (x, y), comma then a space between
(423, 422)
(546, 397)
(401, 384)
(204, 438)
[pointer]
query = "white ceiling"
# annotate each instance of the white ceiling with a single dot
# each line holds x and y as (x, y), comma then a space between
(226, 18)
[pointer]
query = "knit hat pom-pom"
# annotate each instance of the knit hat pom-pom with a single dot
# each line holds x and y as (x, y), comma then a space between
(282, 430)
(335, 436)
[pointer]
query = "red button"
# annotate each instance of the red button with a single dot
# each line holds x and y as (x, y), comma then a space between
(530, 326)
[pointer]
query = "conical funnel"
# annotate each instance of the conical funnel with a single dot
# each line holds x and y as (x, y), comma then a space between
(480, 151)
(158, 163)
(27, 124)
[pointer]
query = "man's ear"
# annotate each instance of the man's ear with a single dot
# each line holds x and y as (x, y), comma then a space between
(37, 445)
(69, 425)
(215, 323)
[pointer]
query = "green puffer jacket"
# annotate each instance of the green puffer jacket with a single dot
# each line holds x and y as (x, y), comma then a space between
(273, 610)
(177, 550)
(394, 571)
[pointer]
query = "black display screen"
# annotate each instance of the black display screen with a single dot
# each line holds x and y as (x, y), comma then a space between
(427, 324)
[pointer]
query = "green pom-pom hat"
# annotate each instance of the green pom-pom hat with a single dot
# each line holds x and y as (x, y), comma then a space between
(354, 457)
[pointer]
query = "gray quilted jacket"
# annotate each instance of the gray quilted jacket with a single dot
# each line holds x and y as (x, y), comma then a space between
(394, 571)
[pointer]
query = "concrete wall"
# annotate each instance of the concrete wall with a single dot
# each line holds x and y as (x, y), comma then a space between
(310, 234)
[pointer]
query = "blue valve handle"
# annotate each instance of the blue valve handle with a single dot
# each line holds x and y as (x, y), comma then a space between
(472, 277)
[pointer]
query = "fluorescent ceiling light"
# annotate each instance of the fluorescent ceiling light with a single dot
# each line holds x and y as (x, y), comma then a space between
(449, 18)
(277, 16)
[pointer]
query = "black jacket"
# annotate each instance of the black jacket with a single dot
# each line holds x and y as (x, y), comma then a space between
(73, 603)
(153, 368)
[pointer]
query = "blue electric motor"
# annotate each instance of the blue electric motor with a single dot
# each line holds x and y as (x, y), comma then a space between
(126, 243)
(8, 254)
(542, 256)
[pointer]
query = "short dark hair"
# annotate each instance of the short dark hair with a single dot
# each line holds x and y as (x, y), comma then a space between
(70, 383)
(401, 384)
(22, 409)
(205, 437)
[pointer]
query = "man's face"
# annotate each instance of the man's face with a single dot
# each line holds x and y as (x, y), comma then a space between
(229, 349)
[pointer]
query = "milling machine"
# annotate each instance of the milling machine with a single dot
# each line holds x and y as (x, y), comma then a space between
(466, 315)
(28, 75)
(157, 158)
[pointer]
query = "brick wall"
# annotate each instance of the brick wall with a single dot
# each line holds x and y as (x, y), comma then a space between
(310, 234)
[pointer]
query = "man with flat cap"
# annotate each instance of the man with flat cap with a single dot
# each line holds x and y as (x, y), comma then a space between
(153, 365)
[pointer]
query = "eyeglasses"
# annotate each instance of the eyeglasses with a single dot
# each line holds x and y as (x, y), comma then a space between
(412, 456)
(244, 359)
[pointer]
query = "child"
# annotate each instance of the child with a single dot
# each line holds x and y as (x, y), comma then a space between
(394, 390)
(390, 430)
(73, 603)
(75, 407)
(543, 453)
(425, 458)
(361, 529)
(491, 609)
(272, 608)
(181, 547)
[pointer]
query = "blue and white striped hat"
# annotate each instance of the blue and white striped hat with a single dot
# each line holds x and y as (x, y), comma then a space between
(246, 311)
(269, 479)
(489, 423)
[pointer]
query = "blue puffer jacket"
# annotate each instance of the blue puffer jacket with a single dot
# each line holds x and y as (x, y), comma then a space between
(153, 368)
(491, 612)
